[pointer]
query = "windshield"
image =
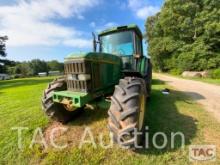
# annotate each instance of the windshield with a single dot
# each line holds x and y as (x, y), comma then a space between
(118, 43)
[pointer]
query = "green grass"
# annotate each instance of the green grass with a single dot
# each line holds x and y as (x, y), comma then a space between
(206, 80)
(20, 106)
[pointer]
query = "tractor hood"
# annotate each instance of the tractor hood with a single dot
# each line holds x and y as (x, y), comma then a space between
(88, 76)
(93, 56)
(93, 70)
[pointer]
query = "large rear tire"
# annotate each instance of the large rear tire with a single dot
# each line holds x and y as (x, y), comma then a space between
(149, 78)
(127, 112)
(53, 110)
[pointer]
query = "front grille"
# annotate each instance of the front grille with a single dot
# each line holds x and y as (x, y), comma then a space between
(75, 68)
(78, 86)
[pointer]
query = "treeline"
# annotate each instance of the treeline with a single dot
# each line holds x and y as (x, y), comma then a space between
(30, 68)
(185, 36)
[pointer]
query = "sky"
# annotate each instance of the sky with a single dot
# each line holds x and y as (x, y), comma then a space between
(52, 29)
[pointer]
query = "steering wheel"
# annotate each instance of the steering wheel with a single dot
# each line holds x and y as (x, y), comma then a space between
(121, 52)
(118, 51)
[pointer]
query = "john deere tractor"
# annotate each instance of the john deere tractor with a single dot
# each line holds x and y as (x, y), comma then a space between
(118, 69)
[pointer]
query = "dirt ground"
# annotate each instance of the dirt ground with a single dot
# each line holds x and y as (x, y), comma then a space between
(205, 94)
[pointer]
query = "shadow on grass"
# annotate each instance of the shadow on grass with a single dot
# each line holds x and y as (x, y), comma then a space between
(163, 116)
(194, 96)
(157, 82)
(89, 116)
(24, 82)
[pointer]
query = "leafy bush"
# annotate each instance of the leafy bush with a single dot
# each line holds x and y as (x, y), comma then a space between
(175, 72)
(215, 74)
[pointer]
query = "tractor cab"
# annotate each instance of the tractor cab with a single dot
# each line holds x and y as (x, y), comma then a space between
(125, 42)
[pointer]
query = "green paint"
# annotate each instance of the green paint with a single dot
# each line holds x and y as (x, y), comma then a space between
(132, 27)
(143, 65)
(78, 99)
(94, 56)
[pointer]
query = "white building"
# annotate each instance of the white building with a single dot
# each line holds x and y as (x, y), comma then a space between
(4, 76)
(54, 73)
(42, 74)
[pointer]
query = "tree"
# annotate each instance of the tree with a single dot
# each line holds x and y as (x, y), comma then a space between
(23, 69)
(4, 63)
(55, 66)
(2, 53)
(185, 35)
(38, 66)
(11, 70)
(2, 45)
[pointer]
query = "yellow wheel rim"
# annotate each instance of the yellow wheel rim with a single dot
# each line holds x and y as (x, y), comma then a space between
(141, 113)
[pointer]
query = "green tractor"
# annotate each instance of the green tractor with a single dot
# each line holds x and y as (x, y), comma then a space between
(119, 69)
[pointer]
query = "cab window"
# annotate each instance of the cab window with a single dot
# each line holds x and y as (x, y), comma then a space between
(121, 43)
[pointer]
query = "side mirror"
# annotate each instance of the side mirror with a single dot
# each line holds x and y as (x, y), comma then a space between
(94, 42)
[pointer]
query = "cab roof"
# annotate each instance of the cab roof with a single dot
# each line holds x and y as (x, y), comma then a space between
(122, 28)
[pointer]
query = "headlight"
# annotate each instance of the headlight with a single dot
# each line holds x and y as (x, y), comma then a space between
(84, 77)
(71, 77)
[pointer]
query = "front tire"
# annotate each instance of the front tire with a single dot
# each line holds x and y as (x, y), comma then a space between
(127, 111)
(53, 110)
